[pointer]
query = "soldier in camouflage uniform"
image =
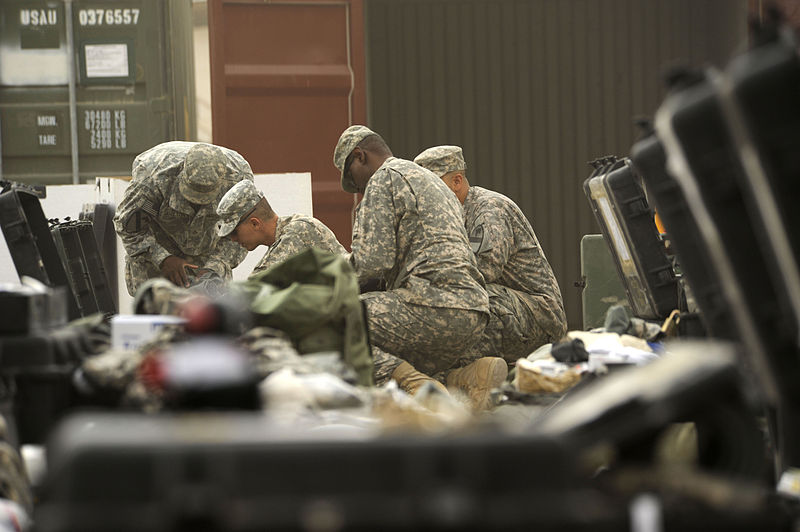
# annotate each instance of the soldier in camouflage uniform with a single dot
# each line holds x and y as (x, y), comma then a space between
(247, 218)
(524, 298)
(409, 232)
(167, 218)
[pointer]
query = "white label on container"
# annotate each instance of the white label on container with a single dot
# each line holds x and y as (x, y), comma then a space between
(106, 60)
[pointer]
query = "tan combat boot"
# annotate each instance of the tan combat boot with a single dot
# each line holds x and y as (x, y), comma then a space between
(411, 381)
(478, 379)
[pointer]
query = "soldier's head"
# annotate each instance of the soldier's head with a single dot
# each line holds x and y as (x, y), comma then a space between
(448, 163)
(201, 178)
(358, 154)
(246, 217)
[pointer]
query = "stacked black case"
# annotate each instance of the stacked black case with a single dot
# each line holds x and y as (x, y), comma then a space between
(80, 255)
(695, 264)
(31, 245)
(626, 220)
(699, 128)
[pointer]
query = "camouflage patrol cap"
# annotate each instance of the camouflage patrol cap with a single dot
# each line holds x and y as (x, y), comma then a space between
(235, 205)
(203, 169)
(347, 142)
(442, 160)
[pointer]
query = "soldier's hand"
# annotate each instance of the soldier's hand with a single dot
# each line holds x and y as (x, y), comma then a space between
(173, 268)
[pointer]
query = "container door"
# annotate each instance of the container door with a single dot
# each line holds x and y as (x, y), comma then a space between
(286, 79)
(134, 84)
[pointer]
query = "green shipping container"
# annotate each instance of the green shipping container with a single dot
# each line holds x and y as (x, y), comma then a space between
(123, 68)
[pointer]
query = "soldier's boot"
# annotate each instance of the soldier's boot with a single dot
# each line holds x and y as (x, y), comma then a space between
(478, 379)
(411, 381)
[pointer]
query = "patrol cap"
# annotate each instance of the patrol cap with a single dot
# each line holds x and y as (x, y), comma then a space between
(203, 169)
(347, 143)
(235, 205)
(442, 159)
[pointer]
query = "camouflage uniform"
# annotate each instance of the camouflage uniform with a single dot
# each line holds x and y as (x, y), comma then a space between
(409, 232)
(524, 298)
(157, 218)
(297, 233)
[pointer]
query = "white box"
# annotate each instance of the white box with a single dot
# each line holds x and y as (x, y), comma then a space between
(130, 331)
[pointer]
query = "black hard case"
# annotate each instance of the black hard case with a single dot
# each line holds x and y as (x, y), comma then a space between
(69, 248)
(627, 222)
(693, 125)
(38, 369)
(102, 215)
(668, 198)
(764, 108)
(31, 244)
(241, 472)
(78, 249)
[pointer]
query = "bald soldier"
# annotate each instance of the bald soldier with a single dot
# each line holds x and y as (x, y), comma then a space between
(524, 299)
(247, 218)
(409, 232)
(167, 218)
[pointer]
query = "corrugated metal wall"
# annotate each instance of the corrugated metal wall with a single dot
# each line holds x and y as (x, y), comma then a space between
(533, 89)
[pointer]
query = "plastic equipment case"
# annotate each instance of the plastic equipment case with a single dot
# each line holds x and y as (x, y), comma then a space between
(37, 356)
(704, 158)
(626, 220)
(650, 162)
(77, 248)
(31, 245)
(760, 91)
(27, 310)
(626, 415)
(700, 381)
(759, 94)
(242, 471)
(601, 287)
(102, 215)
(239, 472)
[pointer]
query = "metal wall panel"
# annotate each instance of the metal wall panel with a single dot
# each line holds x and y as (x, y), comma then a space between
(533, 89)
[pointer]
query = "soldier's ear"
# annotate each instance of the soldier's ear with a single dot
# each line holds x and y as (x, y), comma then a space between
(253, 221)
(360, 154)
(458, 179)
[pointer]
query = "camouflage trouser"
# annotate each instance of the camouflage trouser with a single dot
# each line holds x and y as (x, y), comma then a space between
(430, 339)
(140, 269)
(515, 330)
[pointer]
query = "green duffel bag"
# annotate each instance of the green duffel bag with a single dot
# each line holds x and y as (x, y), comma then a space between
(313, 297)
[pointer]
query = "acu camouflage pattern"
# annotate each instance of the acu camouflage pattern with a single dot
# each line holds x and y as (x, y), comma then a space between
(409, 232)
(429, 338)
(199, 183)
(14, 482)
(155, 220)
(235, 205)
(442, 160)
(347, 142)
(524, 298)
(297, 233)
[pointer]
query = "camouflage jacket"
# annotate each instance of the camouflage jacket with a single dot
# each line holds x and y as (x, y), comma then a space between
(409, 231)
(155, 221)
(508, 251)
(297, 233)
